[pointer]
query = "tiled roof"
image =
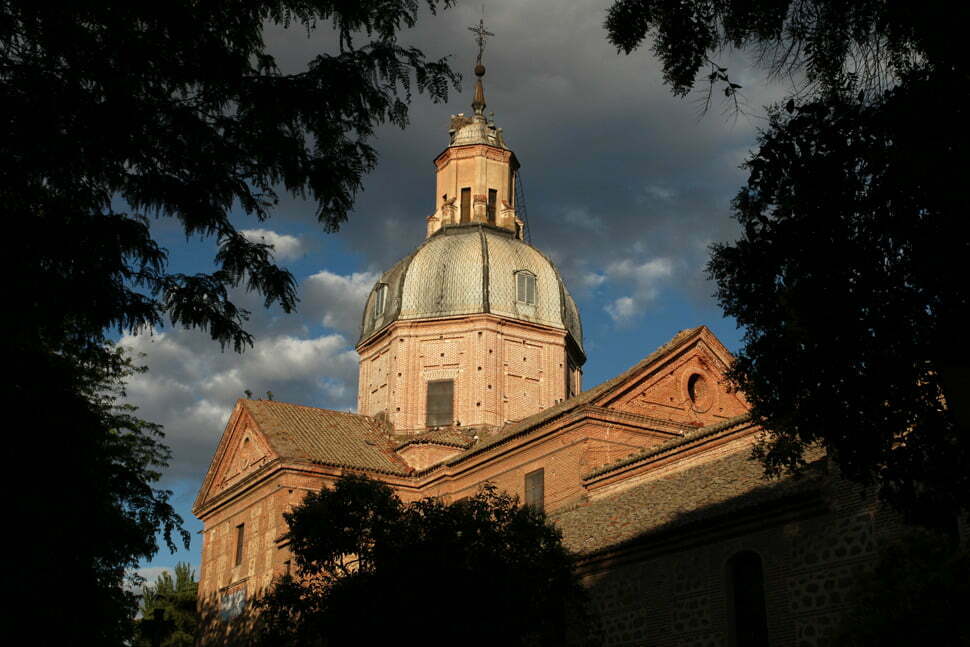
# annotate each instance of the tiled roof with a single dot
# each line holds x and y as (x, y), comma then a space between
(525, 425)
(353, 440)
(325, 436)
(708, 489)
(673, 443)
(466, 269)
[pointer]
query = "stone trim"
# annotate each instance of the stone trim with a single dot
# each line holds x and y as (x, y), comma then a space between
(702, 433)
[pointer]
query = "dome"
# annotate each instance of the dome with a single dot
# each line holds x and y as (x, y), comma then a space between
(470, 269)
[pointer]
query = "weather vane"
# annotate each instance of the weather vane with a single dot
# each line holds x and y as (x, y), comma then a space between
(480, 34)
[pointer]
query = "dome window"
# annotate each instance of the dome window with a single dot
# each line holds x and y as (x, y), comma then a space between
(380, 300)
(525, 287)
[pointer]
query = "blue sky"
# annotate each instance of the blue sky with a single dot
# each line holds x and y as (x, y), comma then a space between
(626, 187)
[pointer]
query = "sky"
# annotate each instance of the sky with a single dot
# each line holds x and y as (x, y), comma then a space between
(626, 187)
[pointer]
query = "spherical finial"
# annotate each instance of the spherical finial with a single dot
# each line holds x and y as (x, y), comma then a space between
(479, 70)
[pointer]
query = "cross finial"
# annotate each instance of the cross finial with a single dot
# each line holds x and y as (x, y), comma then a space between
(480, 34)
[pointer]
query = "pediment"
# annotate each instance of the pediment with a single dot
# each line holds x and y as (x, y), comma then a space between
(242, 450)
(424, 455)
(687, 385)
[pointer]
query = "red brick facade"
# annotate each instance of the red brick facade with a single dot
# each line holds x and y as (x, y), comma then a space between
(503, 370)
(255, 478)
(648, 474)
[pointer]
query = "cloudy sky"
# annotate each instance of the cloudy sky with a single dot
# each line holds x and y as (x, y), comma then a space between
(626, 187)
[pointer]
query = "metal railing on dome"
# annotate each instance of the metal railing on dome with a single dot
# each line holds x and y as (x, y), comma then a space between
(520, 209)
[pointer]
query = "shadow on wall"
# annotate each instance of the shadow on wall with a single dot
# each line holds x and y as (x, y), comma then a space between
(813, 561)
(227, 621)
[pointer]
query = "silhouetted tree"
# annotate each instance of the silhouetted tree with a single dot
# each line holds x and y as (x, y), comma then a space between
(114, 113)
(370, 569)
(90, 508)
(846, 278)
(169, 610)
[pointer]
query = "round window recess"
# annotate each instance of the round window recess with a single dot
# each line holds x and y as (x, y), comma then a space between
(700, 393)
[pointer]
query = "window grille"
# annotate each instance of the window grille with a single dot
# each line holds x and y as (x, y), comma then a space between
(240, 534)
(525, 287)
(535, 495)
(380, 301)
(466, 205)
(439, 407)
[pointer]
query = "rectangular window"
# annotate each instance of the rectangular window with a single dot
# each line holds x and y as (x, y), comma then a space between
(440, 403)
(240, 534)
(466, 205)
(511, 194)
(570, 369)
(525, 288)
(492, 199)
(535, 494)
(380, 300)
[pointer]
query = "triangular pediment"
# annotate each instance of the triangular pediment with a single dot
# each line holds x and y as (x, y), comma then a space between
(686, 385)
(242, 450)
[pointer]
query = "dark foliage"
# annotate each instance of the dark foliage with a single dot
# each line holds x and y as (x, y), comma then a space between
(845, 277)
(820, 45)
(917, 594)
(115, 113)
(169, 614)
(90, 509)
(371, 569)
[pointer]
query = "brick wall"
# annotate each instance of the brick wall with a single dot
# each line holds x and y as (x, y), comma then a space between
(503, 370)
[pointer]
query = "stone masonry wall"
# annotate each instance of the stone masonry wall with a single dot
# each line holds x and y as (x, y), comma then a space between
(679, 597)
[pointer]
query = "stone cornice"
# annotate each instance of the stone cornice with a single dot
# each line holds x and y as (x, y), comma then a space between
(702, 434)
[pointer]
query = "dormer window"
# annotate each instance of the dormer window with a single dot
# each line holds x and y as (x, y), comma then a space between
(525, 287)
(380, 300)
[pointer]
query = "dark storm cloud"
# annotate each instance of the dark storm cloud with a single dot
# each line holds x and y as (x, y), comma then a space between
(626, 186)
(609, 157)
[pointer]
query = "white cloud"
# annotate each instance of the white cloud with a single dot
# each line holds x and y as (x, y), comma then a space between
(622, 309)
(337, 301)
(285, 247)
(192, 385)
(645, 279)
(592, 279)
(193, 399)
(646, 275)
(660, 192)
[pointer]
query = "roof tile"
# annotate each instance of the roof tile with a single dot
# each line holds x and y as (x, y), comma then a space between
(726, 484)
(325, 436)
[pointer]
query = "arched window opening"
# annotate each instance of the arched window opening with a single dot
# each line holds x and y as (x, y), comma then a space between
(525, 287)
(380, 301)
(747, 615)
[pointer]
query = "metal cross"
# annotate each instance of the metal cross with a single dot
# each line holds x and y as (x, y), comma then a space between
(480, 35)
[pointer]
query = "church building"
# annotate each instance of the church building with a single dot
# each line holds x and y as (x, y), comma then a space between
(471, 355)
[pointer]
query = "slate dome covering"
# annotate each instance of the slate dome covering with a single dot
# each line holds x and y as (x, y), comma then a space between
(470, 269)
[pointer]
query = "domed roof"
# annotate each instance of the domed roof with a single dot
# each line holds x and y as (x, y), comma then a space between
(469, 269)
